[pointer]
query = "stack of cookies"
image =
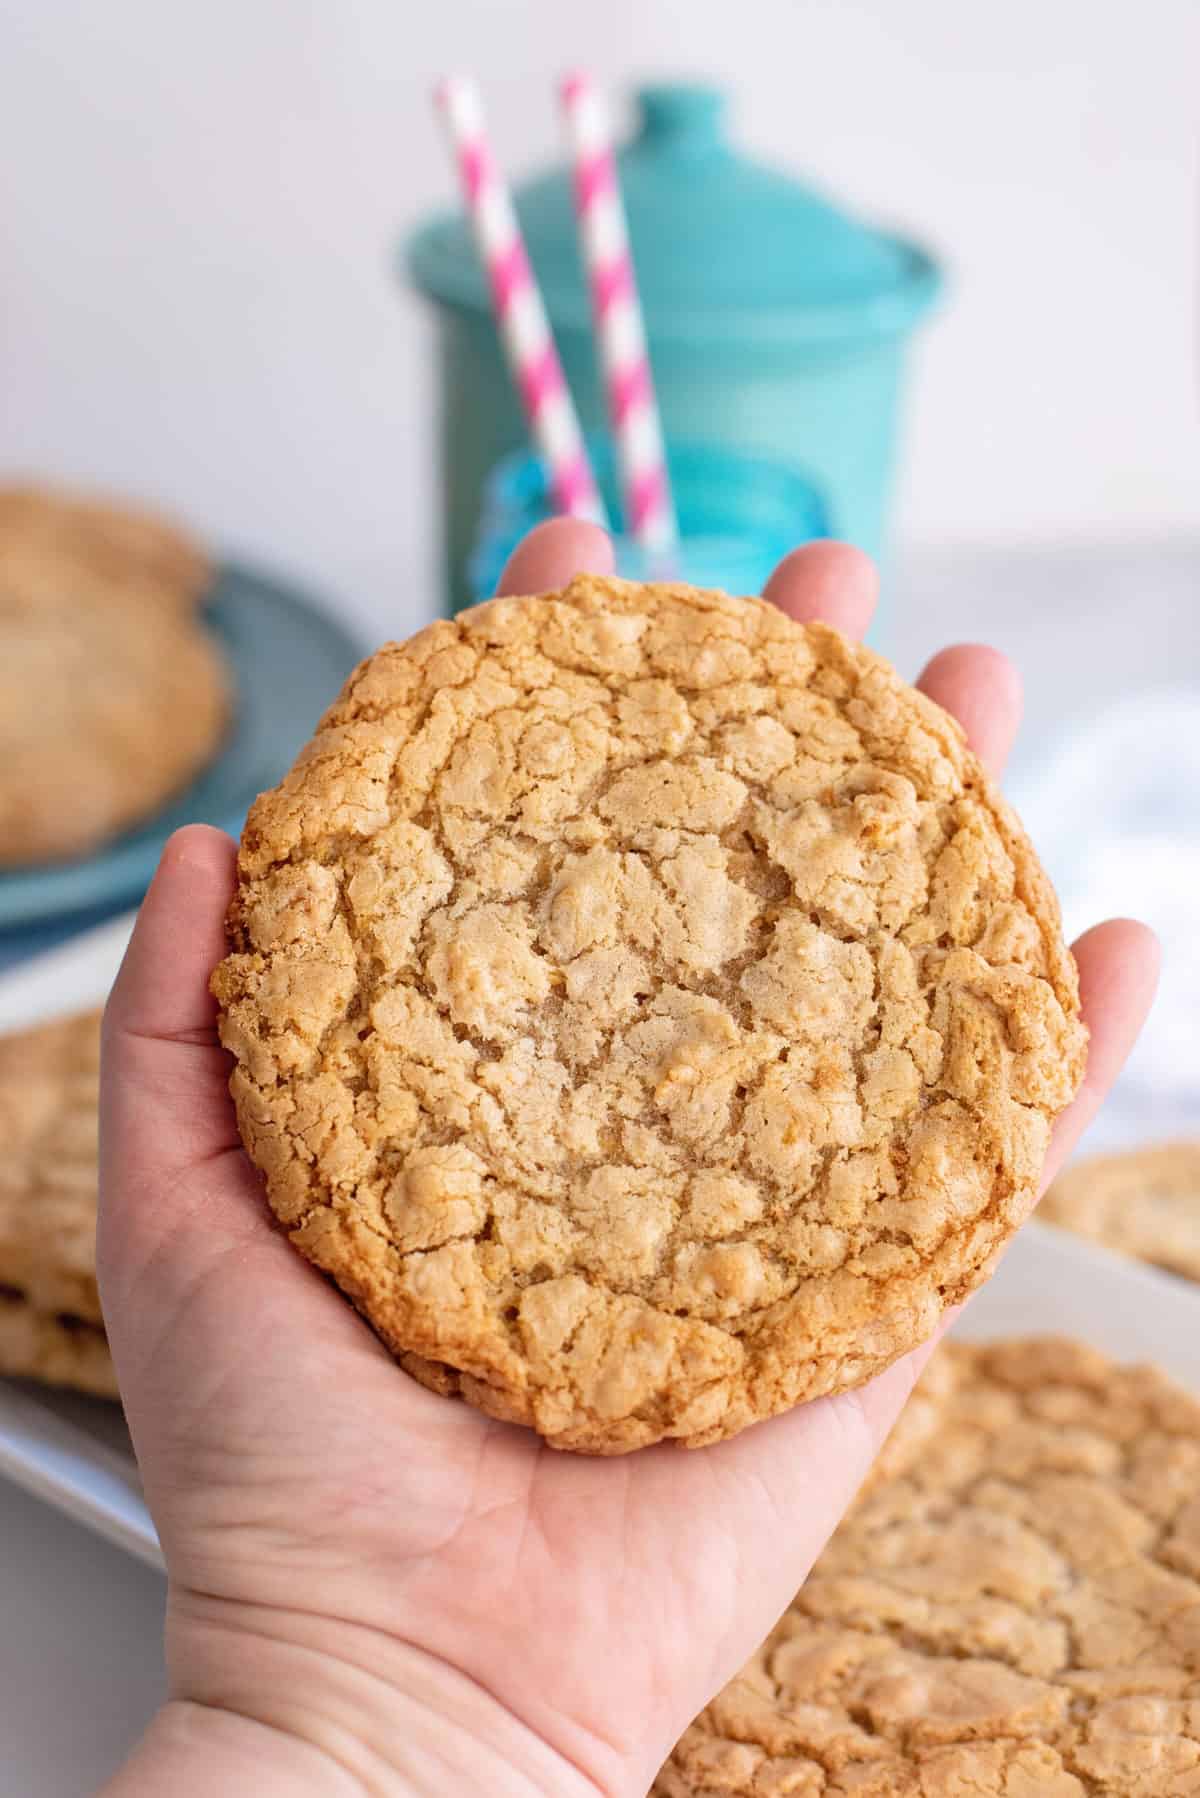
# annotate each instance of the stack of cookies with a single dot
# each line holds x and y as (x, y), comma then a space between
(51, 1327)
(112, 695)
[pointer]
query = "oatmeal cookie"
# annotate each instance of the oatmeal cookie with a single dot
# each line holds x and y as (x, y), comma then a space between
(106, 711)
(64, 546)
(1012, 1611)
(645, 1008)
(51, 1327)
(1144, 1203)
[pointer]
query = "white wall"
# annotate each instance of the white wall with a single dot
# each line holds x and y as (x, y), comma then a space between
(199, 200)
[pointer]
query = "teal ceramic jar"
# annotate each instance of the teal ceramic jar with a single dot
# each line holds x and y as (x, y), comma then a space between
(777, 324)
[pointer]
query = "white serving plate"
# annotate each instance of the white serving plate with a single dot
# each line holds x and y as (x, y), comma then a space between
(74, 1452)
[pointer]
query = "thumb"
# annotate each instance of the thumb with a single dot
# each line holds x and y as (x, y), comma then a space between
(168, 1138)
(191, 1268)
(164, 1073)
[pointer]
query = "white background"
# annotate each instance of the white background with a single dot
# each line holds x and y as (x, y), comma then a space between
(200, 202)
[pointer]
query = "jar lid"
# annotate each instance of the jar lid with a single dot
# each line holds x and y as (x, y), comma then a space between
(723, 245)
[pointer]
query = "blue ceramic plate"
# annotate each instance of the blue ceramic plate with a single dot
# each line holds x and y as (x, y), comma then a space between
(288, 661)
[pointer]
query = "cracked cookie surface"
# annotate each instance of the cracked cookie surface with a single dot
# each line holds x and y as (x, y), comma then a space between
(1143, 1202)
(1011, 1609)
(51, 1325)
(645, 1009)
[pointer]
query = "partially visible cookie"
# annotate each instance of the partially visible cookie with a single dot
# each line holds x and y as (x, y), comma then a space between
(59, 545)
(106, 711)
(1011, 1611)
(1144, 1203)
(646, 1009)
(57, 1348)
(51, 1326)
(62, 1047)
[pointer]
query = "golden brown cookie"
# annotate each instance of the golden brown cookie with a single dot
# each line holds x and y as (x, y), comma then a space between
(51, 1327)
(1144, 1203)
(107, 710)
(645, 1008)
(64, 546)
(1012, 1611)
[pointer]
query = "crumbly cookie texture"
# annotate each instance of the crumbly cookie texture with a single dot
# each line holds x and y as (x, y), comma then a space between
(646, 1010)
(106, 710)
(1012, 1611)
(1144, 1203)
(51, 1326)
(61, 545)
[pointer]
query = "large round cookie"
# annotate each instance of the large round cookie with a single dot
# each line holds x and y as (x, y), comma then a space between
(1143, 1202)
(1010, 1610)
(106, 710)
(645, 1009)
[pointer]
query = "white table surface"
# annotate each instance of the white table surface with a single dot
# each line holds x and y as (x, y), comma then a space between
(80, 1622)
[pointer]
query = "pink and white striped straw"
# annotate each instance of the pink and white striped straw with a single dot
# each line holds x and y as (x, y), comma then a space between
(617, 315)
(520, 315)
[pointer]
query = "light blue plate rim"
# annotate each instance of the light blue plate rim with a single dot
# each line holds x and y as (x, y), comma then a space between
(288, 659)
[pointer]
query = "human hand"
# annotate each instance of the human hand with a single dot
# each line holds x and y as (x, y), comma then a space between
(373, 1589)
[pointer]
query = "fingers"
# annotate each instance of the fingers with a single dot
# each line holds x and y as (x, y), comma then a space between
(1118, 973)
(837, 584)
(552, 554)
(830, 582)
(981, 688)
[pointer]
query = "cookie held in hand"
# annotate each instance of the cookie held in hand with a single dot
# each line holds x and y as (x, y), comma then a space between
(646, 1009)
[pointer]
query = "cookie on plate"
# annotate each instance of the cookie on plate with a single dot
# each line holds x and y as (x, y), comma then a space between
(59, 545)
(107, 709)
(1010, 1610)
(645, 1008)
(51, 1327)
(1144, 1203)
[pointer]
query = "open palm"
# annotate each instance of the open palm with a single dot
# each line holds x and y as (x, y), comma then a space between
(315, 1504)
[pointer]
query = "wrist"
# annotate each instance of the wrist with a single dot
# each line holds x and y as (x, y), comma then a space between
(290, 1706)
(190, 1749)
